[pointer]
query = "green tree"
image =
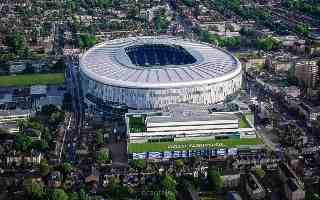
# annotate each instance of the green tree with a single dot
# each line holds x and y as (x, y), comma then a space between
(260, 173)
(115, 190)
(67, 168)
(44, 167)
(102, 156)
(104, 3)
(214, 179)
(33, 189)
(156, 195)
(179, 164)
(71, 4)
(86, 41)
(312, 196)
(268, 44)
(49, 109)
(83, 195)
(169, 195)
(58, 194)
(139, 164)
(56, 117)
(22, 142)
(302, 29)
(168, 183)
(73, 196)
(16, 42)
(40, 145)
(161, 23)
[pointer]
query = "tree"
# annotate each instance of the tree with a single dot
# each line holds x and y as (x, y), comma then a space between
(104, 3)
(156, 195)
(33, 189)
(214, 179)
(169, 195)
(22, 142)
(302, 30)
(86, 41)
(117, 190)
(138, 164)
(44, 167)
(56, 117)
(179, 164)
(40, 145)
(49, 109)
(260, 173)
(73, 196)
(83, 195)
(168, 183)
(161, 23)
(71, 4)
(58, 194)
(312, 196)
(268, 44)
(67, 168)
(16, 42)
(102, 156)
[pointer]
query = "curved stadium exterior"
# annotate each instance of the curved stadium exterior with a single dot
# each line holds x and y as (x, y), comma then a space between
(152, 72)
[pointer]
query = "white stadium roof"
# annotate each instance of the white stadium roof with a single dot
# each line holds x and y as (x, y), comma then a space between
(109, 64)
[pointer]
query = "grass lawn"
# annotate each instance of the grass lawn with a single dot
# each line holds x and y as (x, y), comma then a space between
(31, 79)
(190, 144)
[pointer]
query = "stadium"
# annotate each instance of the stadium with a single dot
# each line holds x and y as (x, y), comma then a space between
(153, 72)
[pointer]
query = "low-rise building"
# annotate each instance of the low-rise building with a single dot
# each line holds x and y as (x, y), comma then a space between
(17, 158)
(279, 62)
(254, 188)
(54, 179)
(189, 125)
(231, 179)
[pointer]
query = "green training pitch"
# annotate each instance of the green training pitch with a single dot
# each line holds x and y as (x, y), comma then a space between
(31, 79)
(190, 144)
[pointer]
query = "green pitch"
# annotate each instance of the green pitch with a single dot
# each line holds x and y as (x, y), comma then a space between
(31, 79)
(190, 144)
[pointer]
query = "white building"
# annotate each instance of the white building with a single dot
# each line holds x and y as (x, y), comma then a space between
(190, 125)
(153, 72)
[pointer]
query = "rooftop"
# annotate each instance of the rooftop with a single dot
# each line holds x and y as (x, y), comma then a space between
(190, 116)
(167, 62)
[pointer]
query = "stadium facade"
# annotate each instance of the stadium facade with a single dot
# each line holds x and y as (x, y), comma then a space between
(153, 72)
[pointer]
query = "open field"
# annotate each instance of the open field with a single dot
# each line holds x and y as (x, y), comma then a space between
(190, 144)
(31, 79)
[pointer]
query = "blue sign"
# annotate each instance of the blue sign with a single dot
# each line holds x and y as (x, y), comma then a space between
(184, 154)
(176, 154)
(221, 152)
(167, 154)
(155, 155)
(139, 155)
